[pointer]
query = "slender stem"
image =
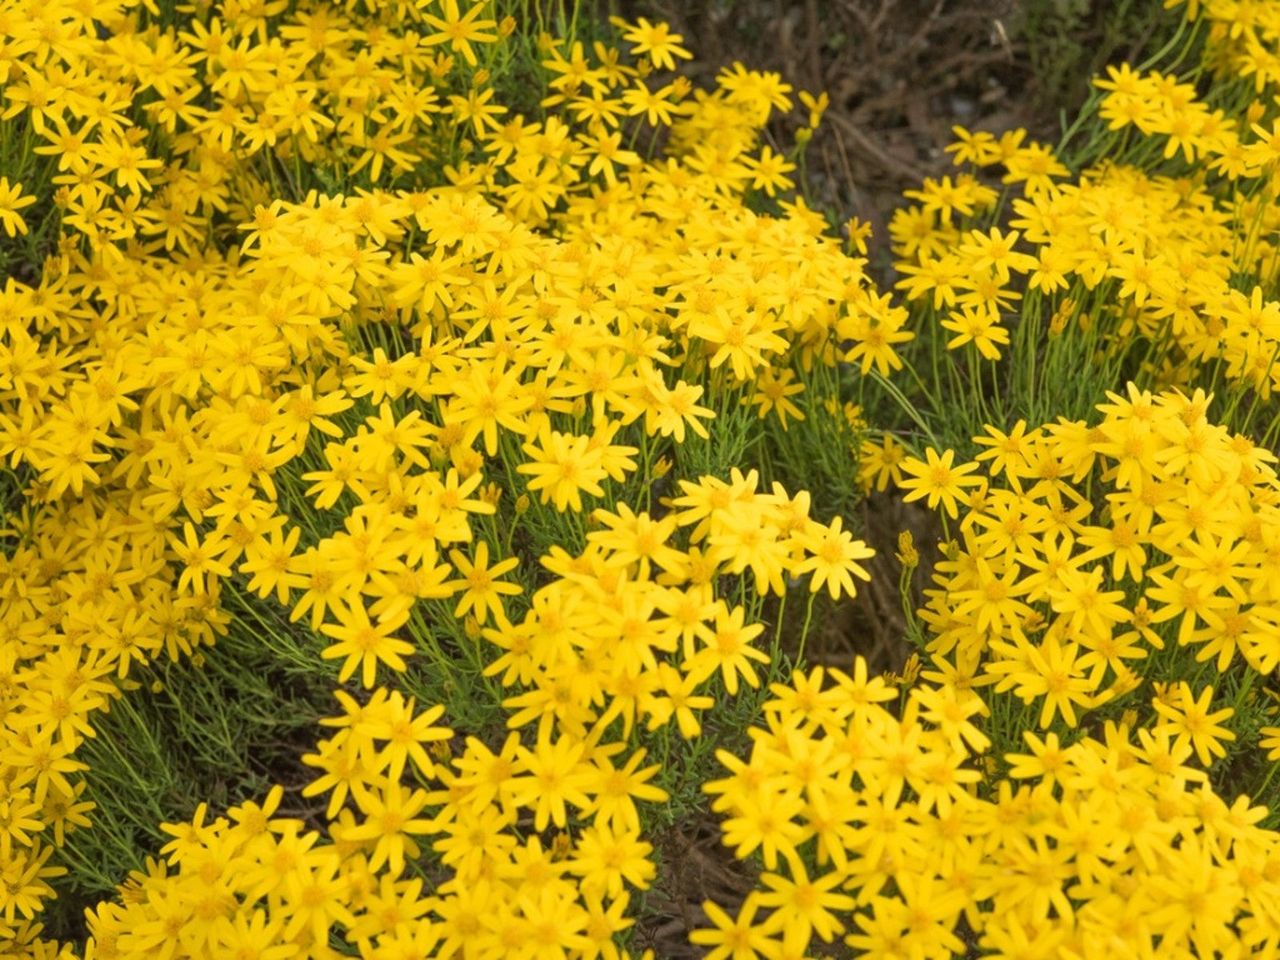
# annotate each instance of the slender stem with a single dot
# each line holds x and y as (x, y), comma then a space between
(804, 631)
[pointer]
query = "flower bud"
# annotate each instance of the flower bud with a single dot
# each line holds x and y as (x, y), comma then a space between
(911, 670)
(907, 554)
(561, 845)
(1058, 322)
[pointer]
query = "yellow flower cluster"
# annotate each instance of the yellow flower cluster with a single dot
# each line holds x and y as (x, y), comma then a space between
(227, 379)
(1120, 254)
(868, 826)
(1070, 605)
(1123, 255)
(972, 274)
(494, 380)
(634, 627)
(630, 630)
(257, 884)
(1243, 39)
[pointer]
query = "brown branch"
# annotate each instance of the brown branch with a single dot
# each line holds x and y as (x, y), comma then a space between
(904, 168)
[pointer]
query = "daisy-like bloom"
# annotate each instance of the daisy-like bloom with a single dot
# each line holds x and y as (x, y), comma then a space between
(391, 821)
(729, 651)
(979, 326)
(362, 643)
(553, 776)
(482, 590)
(563, 467)
(773, 393)
(803, 907)
(737, 937)
(1189, 719)
(880, 464)
(995, 251)
(199, 559)
(769, 172)
(12, 199)
(607, 857)
(1270, 741)
(655, 41)
(1052, 672)
(633, 538)
(617, 788)
(460, 30)
(936, 479)
(833, 559)
(977, 147)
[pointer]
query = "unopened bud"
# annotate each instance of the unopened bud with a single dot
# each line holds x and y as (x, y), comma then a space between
(908, 556)
(1058, 322)
(911, 670)
(561, 845)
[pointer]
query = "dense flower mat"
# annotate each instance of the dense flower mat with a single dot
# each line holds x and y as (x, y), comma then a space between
(497, 392)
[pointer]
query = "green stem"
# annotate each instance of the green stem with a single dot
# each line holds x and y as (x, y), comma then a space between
(804, 631)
